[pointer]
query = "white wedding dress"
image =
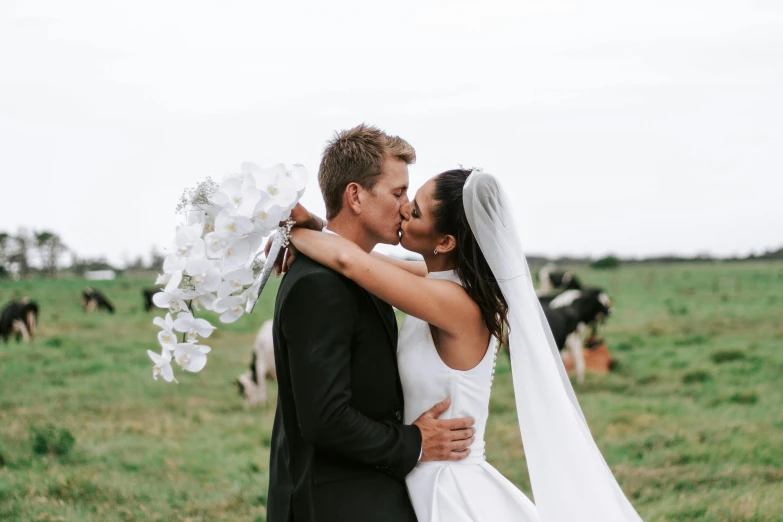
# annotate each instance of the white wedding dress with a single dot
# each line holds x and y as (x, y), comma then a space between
(470, 490)
(570, 479)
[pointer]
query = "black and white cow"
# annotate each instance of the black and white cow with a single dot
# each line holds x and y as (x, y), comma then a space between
(148, 293)
(93, 299)
(252, 383)
(570, 314)
(19, 319)
(550, 279)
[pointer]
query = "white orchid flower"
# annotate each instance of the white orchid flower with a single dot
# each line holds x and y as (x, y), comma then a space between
(216, 245)
(162, 365)
(188, 240)
(267, 215)
(234, 281)
(230, 308)
(204, 276)
(203, 301)
(189, 234)
(299, 173)
(255, 240)
(210, 211)
(238, 192)
(229, 191)
(174, 303)
(250, 195)
(192, 327)
(276, 184)
(230, 225)
(191, 357)
(236, 255)
(170, 297)
(166, 336)
(173, 263)
(195, 216)
(197, 250)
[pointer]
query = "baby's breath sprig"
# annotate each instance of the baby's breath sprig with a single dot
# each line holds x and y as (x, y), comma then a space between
(187, 284)
(197, 196)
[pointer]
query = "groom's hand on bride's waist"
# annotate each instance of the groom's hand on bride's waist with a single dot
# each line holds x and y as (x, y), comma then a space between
(444, 439)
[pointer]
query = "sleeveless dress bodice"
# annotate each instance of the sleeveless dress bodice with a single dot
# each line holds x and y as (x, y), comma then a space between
(427, 380)
(467, 490)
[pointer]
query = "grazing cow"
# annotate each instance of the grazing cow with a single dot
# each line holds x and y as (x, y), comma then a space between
(252, 383)
(550, 279)
(19, 318)
(546, 299)
(148, 293)
(569, 316)
(598, 303)
(93, 299)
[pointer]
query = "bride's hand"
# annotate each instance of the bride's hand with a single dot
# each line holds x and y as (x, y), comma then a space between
(290, 254)
(284, 258)
(303, 219)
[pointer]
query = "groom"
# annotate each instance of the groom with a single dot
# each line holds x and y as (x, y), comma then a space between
(339, 449)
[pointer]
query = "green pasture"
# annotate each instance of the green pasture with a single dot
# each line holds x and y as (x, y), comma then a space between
(691, 422)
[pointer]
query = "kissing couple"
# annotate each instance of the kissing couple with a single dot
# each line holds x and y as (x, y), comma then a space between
(373, 425)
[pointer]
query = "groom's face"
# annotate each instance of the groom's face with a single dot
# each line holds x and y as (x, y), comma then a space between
(381, 208)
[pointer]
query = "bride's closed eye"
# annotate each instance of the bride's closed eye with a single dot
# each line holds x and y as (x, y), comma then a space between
(416, 213)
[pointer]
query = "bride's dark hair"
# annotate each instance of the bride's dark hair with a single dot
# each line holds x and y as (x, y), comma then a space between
(472, 268)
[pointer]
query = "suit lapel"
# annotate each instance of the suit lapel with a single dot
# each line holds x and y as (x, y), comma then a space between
(390, 324)
(387, 316)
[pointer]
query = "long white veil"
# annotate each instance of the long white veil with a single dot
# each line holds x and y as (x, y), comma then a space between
(570, 479)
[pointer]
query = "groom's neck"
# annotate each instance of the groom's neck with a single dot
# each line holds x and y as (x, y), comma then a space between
(349, 228)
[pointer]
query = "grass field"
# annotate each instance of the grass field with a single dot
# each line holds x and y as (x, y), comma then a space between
(691, 423)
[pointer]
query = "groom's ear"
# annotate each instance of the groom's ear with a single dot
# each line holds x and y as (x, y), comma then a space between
(352, 198)
(447, 244)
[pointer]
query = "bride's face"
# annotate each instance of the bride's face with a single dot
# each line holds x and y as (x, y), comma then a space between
(418, 224)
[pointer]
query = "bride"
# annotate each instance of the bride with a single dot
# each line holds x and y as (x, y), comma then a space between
(473, 283)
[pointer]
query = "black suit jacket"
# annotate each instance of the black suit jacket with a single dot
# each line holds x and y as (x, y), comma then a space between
(339, 449)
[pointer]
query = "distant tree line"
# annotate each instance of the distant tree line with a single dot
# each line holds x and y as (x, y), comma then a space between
(43, 253)
(611, 261)
(28, 251)
(708, 258)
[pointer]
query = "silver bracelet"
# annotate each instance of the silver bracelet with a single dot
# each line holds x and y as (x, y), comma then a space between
(285, 231)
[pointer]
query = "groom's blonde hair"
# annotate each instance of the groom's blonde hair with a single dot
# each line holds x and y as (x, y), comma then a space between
(356, 156)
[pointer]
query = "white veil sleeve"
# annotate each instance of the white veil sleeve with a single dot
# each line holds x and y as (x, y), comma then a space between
(570, 479)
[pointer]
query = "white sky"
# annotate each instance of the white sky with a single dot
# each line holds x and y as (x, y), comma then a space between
(625, 127)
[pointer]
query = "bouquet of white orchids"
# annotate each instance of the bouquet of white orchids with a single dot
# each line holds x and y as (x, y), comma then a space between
(214, 264)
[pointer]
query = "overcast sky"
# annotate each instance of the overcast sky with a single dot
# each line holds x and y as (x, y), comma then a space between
(633, 128)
